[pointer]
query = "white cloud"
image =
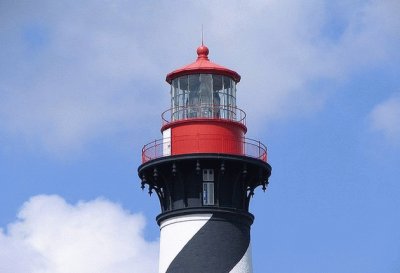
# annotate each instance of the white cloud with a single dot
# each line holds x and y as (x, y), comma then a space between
(51, 236)
(76, 71)
(385, 118)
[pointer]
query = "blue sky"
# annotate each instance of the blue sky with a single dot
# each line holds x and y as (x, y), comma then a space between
(82, 87)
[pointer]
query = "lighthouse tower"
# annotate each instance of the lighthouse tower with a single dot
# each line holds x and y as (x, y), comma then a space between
(204, 172)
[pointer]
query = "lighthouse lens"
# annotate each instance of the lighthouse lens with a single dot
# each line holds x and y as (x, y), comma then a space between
(203, 96)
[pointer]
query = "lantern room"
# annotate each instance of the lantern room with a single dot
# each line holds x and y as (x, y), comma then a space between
(203, 96)
(203, 89)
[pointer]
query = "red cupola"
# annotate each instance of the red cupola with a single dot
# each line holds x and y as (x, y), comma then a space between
(203, 65)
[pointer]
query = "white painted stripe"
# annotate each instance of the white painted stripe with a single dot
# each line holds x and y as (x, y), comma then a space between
(245, 265)
(175, 233)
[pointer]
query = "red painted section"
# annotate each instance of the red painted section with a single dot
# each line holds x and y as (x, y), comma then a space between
(207, 137)
(203, 65)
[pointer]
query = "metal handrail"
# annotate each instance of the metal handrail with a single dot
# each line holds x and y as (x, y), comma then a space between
(251, 147)
(203, 111)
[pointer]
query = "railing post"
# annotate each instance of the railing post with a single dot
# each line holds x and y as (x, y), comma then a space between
(155, 148)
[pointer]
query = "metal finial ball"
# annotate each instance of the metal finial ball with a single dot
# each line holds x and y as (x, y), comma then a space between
(202, 51)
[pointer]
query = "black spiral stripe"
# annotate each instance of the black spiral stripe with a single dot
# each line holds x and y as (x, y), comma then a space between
(216, 248)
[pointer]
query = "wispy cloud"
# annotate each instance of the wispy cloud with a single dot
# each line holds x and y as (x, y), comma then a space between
(52, 236)
(71, 72)
(385, 118)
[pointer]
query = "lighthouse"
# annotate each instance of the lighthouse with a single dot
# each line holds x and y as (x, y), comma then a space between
(204, 171)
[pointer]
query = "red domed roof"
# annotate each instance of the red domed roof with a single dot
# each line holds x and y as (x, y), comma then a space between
(203, 65)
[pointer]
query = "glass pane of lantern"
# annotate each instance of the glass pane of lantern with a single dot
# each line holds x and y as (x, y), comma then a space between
(205, 94)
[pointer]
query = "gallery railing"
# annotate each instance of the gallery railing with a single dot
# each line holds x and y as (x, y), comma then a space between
(165, 147)
(202, 111)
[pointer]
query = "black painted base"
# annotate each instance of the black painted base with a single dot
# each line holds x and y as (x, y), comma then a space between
(178, 182)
